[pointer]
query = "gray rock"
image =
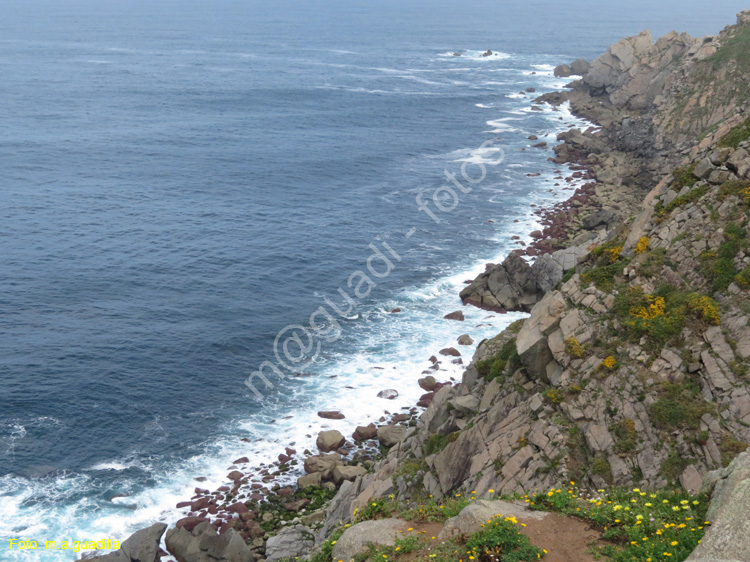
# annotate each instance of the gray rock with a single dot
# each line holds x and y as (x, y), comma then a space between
(467, 404)
(599, 219)
(703, 169)
(341, 473)
(389, 435)
(388, 394)
(290, 543)
(310, 480)
(322, 463)
(563, 71)
(354, 541)
(330, 440)
(580, 67)
(465, 339)
(727, 539)
(514, 284)
(475, 515)
(141, 546)
(204, 544)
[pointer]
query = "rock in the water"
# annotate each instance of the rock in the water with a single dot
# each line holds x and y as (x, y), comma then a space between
(354, 541)
(456, 315)
(329, 440)
(289, 544)
(389, 435)
(465, 339)
(331, 415)
(388, 394)
(563, 71)
(365, 432)
(428, 383)
(450, 351)
(475, 515)
(141, 546)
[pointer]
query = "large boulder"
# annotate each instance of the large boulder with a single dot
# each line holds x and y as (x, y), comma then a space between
(141, 546)
(289, 544)
(727, 539)
(323, 464)
(354, 541)
(514, 284)
(204, 544)
(330, 440)
(341, 473)
(389, 435)
(473, 517)
(531, 343)
(579, 67)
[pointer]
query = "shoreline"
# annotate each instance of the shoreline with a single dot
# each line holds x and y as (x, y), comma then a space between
(290, 457)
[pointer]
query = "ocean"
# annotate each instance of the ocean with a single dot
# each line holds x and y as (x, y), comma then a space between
(184, 187)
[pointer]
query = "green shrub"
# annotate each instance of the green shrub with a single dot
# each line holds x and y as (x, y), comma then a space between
(603, 277)
(437, 442)
(501, 539)
(495, 366)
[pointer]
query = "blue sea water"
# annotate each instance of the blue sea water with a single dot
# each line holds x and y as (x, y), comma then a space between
(181, 181)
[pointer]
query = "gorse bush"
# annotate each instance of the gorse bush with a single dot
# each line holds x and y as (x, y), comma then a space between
(662, 316)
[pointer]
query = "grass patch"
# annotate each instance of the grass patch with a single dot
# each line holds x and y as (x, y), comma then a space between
(730, 447)
(718, 267)
(690, 197)
(684, 177)
(680, 406)
(740, 133)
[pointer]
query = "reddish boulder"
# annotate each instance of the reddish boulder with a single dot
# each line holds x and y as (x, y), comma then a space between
(238, 507)
(189, 523)
(331, 415)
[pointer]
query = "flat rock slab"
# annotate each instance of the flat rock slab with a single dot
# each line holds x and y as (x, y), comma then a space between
(289, 544)
(476, 514)
(382, 532)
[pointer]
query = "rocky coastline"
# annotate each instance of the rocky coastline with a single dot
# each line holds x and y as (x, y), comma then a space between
(631, 369)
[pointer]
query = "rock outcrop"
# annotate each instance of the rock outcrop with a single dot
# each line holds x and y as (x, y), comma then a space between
(141, 546)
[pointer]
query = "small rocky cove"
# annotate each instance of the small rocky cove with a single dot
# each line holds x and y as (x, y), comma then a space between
(630, 373)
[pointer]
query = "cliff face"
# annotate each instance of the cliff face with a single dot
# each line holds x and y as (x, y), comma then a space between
(632, 368)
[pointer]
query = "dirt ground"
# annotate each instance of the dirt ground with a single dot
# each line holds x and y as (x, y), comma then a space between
(566, 539)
